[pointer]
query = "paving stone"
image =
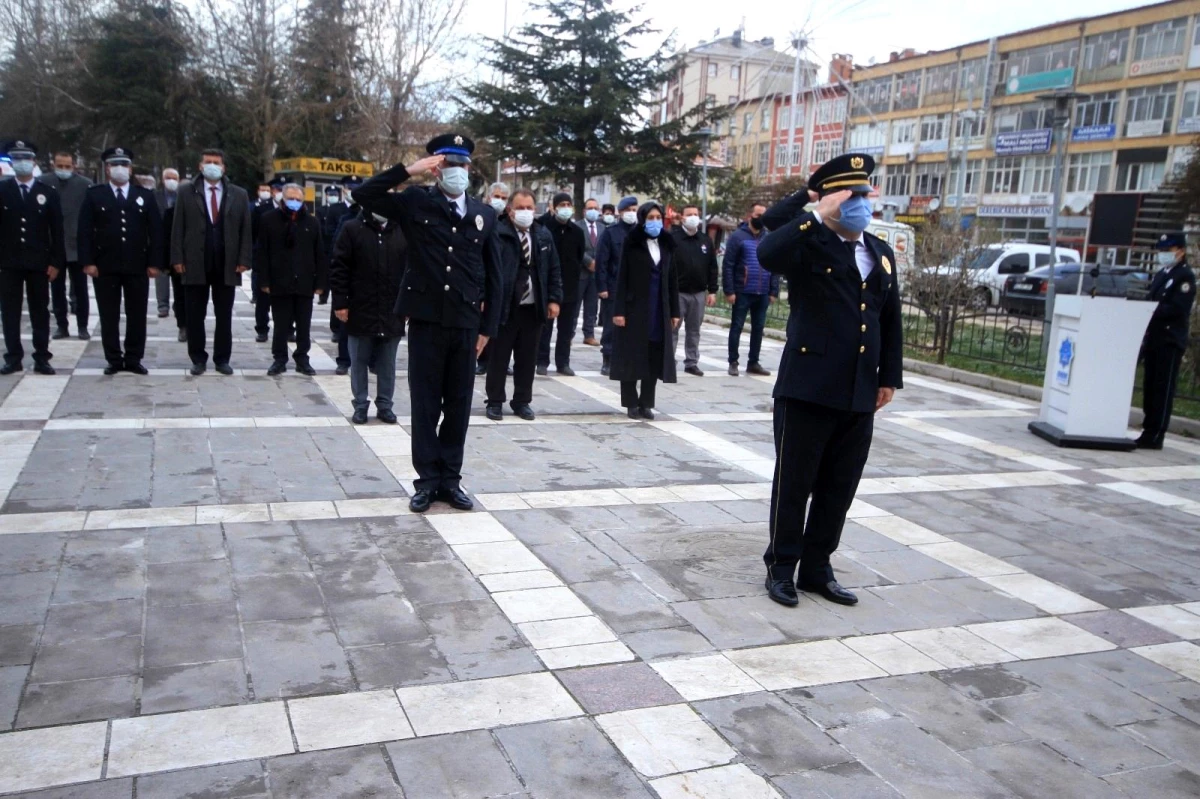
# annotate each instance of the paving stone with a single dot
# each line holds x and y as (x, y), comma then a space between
(191, 634)
(81, 660)
(569, 758)
(382, 619)
(946, 714)
(654, 644)
(1180, 696)
(394, 665)
(1125, 668)
(626, 605)
(464, 765)
(1032, 769)
(665, 740)
(838, 705)
(438, 582)
(12, 681)
(176, 544)
(473, 627)
(108, 789)
(26, 597)
(32, 552)
(192, 687)
(1121, 629)
(295, 658)
(1112, 704)
(1173, 736)
(188, 583)
(278, 597)
(244, 780)
(338, 774)
(732, 623)
(17, 644)
(771, 734)
(270, 555)
(83, 700)
(92, 620)
(835, 782)
(577, 562)
(985, 682)
(496, 663)
(604, 689)
(1169, 782)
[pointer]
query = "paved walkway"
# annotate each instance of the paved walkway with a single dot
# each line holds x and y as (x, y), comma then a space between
(212, 587)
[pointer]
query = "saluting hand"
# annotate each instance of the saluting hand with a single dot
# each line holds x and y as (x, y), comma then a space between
(425, 165)
(883, 397)
(827, 206)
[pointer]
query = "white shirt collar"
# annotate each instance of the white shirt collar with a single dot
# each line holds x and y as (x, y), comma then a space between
(26, 183)
(117, 188)
(460, 202)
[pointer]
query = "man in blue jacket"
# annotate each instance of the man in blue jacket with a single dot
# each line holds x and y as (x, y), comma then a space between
(749, 289)
(608, 263)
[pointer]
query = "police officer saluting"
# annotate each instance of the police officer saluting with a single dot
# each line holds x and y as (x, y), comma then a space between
(32, 253)
(121, 247)
(451, 296)
(1174, 289)
(842, 363)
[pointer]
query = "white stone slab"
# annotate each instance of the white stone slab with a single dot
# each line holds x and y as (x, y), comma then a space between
(1191, 607)
(750, 490)
(592, 497)
(1174, 620)
(493, 502)
(798, 665)
(228, 514)
(892, 654)
(1182, 657)
(566, 632)
(1043, 594)
(1040, 638)
(725, 782)
(519, 581)
(967, 559)
(327, 722)
(468, 528)
(198, 738)
(302, 511)
(484, 704)
(902, 531)
(705, 677)
(660, 495)
(369, 508)
(543, 604)
(55, 522)
(665, 740)
(862, 510)
(140, 517)
(703, 493)
(40, 758)
(1147, 493)
(571, 657)
(495, 558)
(954, 647)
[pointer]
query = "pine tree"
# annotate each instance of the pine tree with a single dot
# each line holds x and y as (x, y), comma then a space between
(323, 70)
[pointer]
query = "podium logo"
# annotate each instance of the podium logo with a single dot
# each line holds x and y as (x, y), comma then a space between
(1066, 355)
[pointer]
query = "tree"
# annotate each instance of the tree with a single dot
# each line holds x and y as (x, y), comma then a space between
(1187, 184)
(323, 64)
(571, 100)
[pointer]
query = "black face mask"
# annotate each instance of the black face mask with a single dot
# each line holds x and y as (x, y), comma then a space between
(756, 222)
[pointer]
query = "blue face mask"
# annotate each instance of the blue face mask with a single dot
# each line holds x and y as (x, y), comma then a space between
(454, 180)
(855, 214)
(591, 214)
(293, 205)
(653, 228)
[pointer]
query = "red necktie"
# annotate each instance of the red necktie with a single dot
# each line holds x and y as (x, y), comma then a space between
(216, 209)
(592, 232)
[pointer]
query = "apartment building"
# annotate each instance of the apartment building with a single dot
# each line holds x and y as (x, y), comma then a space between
(964, 126)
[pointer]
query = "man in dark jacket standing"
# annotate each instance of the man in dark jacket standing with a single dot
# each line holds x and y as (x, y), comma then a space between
(293, 269)
(364, 278)
(262, 302)
(749, 289)
(842, 363)
(608, 264)
(1174, 289)
(211, 247)
(121, 248)
(71, 186)
(571, 245)
(32, 255)
(451, 297)
(531, 300)
(592, 226)
(169, 281)
(696, 266)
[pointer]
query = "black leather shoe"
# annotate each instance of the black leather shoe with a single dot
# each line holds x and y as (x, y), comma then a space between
(277, 368)
(261, 338)
(481, 367)
(386, 415)
(543, 371)
(84, 335)
(44, 369)
(360, 416)
(605, 368)
(694, 370)
(198, 369)
(11, 368)
(306, 369)
(508, 371)
(495, 412)
(224, 369)
(182, 336)
(831, 591)
(342, 371)
(755, 369)
(1144, 442)
(565, 371)
(420, 501)
(634, 413)
(136, 368)
(783, 591)
(112, 369)
(163, 314)
(646, 414)
(457, 499)
(61, 333)
(524, 411)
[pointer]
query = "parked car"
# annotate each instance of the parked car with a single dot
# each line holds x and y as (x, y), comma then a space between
(989, 267)
(1026, 294)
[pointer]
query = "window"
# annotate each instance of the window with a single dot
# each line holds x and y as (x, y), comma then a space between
(598, 185)
(712, 69)
(1035, 60)
(824, 112)
(820, 151)
(795, 155)
(1160, 40)
(971, 79)
(934, 128)
(1140, 176)
(1088, 171)
(971, 181)
(710, 100)
(764, 122)
(904, 131)
(928, 180)
(800, 114)
(898, 180)
(735, 72)
(764, 158)
(1189, 109)
(1037, 174)
(785, 117)
(1148, 110)
(780, 156)
(839, 109)
(835, 148)
(1104, 57)
(868, 138)
(1027, 116)
(747, 121)
(1099, 109)
(876, 95)
(1003, 176)
(908, 90)
(969, 124)
(939, 85)
(733, 98)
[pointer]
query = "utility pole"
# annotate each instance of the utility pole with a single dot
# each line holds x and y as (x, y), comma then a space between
(800, 43)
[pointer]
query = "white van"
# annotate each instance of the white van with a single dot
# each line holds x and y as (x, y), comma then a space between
(993, 264)
(900, 237)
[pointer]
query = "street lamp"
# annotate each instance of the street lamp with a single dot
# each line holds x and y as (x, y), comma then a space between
(705, 135)
(1062, 118)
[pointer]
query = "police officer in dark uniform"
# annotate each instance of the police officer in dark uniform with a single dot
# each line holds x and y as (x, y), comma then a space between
(121, 248)
(1174, 289)
(451, 297)
(842, 363)
(32, 253)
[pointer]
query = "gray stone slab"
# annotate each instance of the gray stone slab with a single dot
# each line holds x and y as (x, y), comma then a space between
(82, 660)
(31, 552)
(496, 663)
(626, 605)
(106, 789)
(1034, 770)
(25, 597)
(376, 619)
(354, 574)
(654, 644)
(178, 544)
(577, 562)
(466, 765)
(985, 599)
(460, 627)
(1125, 668)
(438, 582)
(195, 686)
(84, 700)
(732, 623)
(1077, 685)
(336, 774)
(230, 781)
(1122, 629)
(838, 705)
(836, 782)
(569, 758)
(928, 605)
(415, 547)
(394, 665)
(17, 644)
(1180, 696)
(1168, 782)
(191, 634)
(12, 681)
(985, 682)
(771, 734)
(276, 597)
(188, 583)
(956, 721)
(295, 658)
(622, 686)
(267, 555)
(92, 620)
(1173, 736)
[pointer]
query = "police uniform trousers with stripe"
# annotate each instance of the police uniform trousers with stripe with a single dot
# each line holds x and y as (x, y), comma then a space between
(441, 381)
(36, 287)
(1160, 374)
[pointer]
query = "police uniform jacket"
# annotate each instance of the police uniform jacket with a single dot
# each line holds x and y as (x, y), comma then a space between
(120, 239)
(844, 334)
(545, 271)
(1175, 291)
(453, 271)
(365, 276)
(70, 197)
(290, 256)
(608, 255)
(256, 215)
(31, 231)
(188, 231)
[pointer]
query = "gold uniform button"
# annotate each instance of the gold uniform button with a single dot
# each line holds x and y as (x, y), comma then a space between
(449, 249)
(864, 328)
(862, 349)
(453, 230)
(447, 269)
(828, 270)
(864, 284)
(804, 349)
(447, 287)
(862, 307)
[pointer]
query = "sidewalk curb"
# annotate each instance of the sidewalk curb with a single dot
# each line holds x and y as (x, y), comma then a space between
(1179, 425)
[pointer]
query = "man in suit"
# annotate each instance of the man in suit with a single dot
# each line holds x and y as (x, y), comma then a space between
(120, 247)
(593, 226)
(842, 363)
(71, 187)
(1174, 289)
(451, 297)
(169, 283)
(211, 248)
(608, 264)
(569, 242)
(32, 254)
(261, 302)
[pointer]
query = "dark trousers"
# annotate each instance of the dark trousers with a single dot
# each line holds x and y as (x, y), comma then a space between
(441, 380)
(179, 304)
(518, 338)
(631, 397)
(591, 303)
(819, 453)
(1159, 378)
(79, 293)
(568, 318)
(756, 306)
(15, 285)
(288, 310)
(606, 338)
(196, 310)
(338, 328)
(262, 306)
(136, 290)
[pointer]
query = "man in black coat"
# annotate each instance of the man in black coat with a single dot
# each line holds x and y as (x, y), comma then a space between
(292, 270)
(71, 186)
(365, 275)
(262, 303)
(451, 297)
(571, 245)
(32, 254)
(841, 364)
(696, 266)
(1174, 289)
(531, 301)
(608, 263)
(121, 248)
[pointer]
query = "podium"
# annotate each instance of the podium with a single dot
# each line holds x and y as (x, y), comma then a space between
(1090, 370)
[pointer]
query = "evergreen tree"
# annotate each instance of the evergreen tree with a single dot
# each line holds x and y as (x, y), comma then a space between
(572, 98)
(323, 63)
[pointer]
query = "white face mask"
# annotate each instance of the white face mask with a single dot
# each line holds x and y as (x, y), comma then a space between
(691, 223)
(277, 196)
(264, 196)
(119, 174)
(609, 219)
(64, 174)
(498, 205)
(564, 213)
(170, 184)
(23, 167)
(1165, 258)
(212, 172)
(523, 219)
(629, 217)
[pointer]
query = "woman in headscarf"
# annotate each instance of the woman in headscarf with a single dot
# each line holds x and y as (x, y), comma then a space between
(645, 313)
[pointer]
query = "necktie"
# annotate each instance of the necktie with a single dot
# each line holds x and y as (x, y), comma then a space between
(525, 250)
(24, 193)
(216, 208)
(454, 210)
(592, 233)
(526, 285)
(121, 195)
